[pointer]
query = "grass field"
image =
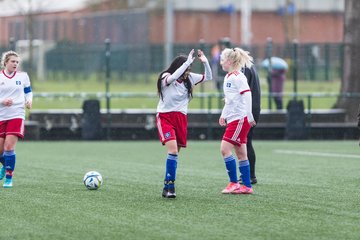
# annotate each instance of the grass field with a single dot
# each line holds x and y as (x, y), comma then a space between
(118, 86)
(306, 190)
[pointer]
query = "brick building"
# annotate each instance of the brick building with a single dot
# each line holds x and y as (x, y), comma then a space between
(77, 22)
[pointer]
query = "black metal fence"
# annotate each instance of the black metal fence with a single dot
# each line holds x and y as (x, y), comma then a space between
(315, 61)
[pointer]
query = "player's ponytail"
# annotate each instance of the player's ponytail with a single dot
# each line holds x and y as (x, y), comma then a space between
(238, 57)
(245, 59)
(189, 87)
(158, 84)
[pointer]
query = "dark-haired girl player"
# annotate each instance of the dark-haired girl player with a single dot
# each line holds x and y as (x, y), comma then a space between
(175, 86)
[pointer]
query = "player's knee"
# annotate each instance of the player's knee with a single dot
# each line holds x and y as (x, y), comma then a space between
(242, 157)
(225, 152)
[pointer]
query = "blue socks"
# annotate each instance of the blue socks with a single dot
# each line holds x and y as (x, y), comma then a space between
(244, 167)
(10, 159)
(170, 175)
(230, 164)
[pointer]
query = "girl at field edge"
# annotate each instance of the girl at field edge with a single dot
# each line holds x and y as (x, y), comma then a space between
(175, 86)
(15, 92)
(237, 117)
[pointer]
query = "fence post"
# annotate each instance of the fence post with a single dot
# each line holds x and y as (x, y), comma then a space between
(202, 48)
(341, 59)
(269, 75)
(295, 62)
(327, 62)
(295, 116)
(107, 87)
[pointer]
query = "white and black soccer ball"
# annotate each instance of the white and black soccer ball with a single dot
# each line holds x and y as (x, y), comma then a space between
(92, 180)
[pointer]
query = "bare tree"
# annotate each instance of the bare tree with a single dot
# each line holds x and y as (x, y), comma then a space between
(29, 9)
(30, 28)
(351, 75)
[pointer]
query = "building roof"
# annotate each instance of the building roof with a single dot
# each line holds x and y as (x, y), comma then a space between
(19, 7)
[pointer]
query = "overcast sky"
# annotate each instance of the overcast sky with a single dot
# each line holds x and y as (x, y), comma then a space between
(15, 7)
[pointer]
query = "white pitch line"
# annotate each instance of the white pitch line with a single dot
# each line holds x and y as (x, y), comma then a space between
(320, 154)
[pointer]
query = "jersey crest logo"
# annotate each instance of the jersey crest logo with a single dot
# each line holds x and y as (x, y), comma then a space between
(228, 84)
(167, 135)
(18, 82)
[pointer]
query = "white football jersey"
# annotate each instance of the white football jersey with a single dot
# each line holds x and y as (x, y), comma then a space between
(237, 106)
(175, 94)
(16, 87)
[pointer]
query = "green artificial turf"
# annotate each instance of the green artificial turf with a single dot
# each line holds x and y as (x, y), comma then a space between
(306, 190)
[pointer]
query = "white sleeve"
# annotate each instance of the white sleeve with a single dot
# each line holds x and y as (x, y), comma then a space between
(198, 78)
(29, 97)
(177, 74)
(248, 104)
(27, 89)
(246, 94)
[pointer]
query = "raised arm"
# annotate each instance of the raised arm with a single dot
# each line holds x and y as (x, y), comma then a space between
(197, 78)
(177, 74)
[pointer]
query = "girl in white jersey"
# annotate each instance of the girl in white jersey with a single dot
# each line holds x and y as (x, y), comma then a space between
(15, 95)
(237, 117)
(175, 86)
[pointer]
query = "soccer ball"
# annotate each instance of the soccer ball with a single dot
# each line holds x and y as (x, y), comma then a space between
(92, 180)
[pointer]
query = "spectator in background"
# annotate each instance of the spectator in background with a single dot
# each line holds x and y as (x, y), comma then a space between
(276, 68)
(277, 85)
(218, 72)
(215, 59)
